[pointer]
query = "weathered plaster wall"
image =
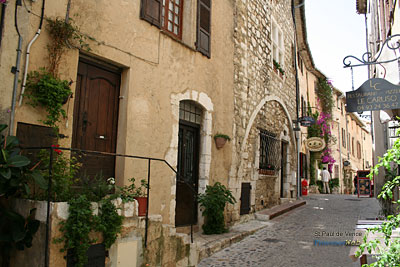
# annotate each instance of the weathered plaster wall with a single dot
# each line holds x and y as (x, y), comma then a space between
(155, 68)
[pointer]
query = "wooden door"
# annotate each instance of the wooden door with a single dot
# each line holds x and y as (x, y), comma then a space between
(95, 117)
(188, 170)
(245, 198)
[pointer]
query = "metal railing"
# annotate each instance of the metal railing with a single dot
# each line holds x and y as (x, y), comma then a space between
(87, 152)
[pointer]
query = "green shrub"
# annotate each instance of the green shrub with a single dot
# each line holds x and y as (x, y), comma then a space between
(213, 202)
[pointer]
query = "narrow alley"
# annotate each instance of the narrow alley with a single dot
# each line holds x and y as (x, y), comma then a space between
(289, 239)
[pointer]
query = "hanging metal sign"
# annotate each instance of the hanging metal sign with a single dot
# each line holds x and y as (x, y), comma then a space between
(374, 94)
(306, 121)
(315, 144)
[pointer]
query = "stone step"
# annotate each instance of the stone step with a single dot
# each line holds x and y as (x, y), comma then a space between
(268, 214)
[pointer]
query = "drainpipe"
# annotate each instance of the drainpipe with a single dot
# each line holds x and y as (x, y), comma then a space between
(27, 55)
(297, 127)
(15, 69)
(3, 13)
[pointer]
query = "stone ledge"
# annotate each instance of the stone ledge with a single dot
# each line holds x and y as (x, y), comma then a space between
(273, 212)
(210, 244)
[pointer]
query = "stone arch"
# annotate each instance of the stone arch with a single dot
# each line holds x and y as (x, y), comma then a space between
(290, 137)
(254, 115)
(203, 100)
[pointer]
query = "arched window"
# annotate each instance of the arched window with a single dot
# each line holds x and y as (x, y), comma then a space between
(190, 111)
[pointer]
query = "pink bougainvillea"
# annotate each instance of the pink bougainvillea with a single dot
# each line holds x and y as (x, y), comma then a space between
(3, 1)
(326, 156)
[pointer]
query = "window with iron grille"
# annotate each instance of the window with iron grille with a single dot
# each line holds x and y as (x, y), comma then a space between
(358, 150)
(269, 151)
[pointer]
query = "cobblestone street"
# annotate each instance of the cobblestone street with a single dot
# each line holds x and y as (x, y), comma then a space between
(289, 239)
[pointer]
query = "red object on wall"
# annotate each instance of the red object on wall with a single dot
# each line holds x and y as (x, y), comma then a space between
(142, 201)
(304, 185)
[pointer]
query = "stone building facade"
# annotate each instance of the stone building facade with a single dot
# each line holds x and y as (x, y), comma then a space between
(347, 129)
(264, 104)
(353, 148)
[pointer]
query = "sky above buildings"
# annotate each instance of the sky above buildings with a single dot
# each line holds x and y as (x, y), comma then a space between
(334, 31)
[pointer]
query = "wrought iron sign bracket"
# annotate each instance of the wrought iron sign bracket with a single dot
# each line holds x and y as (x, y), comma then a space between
(367, 58)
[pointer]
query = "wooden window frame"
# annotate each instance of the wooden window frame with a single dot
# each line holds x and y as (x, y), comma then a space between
(202, 31)
(166, 19)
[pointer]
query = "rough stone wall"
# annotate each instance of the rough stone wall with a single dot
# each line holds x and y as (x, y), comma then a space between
(255, 80)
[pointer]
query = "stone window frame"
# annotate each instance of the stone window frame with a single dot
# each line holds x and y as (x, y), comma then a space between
(277, 44)
(204, 101)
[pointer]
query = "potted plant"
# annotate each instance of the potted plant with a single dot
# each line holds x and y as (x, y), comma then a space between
(213, 203)
(220, 140)
(278, 68)
(130, 192)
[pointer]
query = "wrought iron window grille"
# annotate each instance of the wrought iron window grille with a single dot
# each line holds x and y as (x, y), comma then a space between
(270, 154)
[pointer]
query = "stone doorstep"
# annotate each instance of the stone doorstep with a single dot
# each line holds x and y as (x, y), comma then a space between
(268, 214)
(209, 244)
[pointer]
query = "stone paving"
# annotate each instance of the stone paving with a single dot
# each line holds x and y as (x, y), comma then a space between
(289, 239)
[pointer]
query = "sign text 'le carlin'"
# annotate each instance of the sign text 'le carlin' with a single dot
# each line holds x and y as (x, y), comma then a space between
(374, 94)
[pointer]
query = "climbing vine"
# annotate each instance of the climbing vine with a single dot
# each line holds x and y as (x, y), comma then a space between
(324, 94)
(44, 87)
(64, 35)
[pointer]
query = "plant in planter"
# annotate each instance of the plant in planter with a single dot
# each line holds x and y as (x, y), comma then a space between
(131, 192)
(220, 140)
(45, 90)
(213, 203)
(278, 68)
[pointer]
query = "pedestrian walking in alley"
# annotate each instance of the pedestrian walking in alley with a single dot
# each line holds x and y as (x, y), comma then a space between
(326, 176)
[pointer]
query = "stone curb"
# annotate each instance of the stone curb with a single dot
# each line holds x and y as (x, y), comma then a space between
(268, 214)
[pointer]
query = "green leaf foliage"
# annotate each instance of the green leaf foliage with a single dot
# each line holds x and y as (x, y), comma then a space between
(389, 251)
(45, 90)
(213, 203)
(81, 222)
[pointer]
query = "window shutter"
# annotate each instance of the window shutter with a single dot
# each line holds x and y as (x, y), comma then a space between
(150, 10)
(204, 27)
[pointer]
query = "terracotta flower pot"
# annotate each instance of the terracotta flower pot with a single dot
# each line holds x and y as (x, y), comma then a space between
(220, 142)
(142, 201)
